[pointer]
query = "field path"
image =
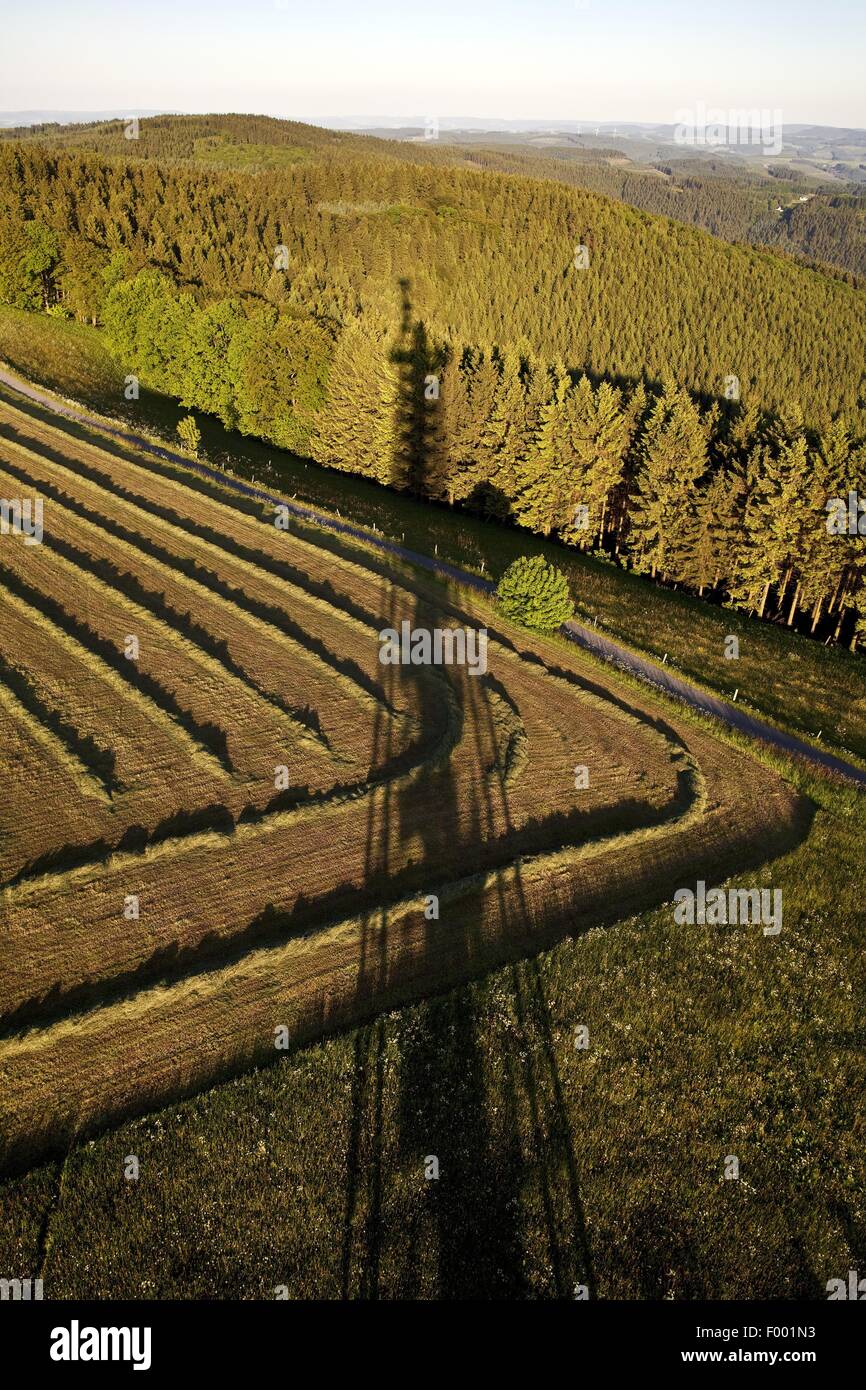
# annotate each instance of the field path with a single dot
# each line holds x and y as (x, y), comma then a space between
(590, 639)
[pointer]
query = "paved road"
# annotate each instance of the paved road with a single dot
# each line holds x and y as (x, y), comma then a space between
(587, 637)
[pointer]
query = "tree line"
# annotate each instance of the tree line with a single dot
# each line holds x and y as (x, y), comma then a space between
(722, 499)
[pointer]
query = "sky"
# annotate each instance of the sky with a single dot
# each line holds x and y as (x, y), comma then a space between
(603, 60)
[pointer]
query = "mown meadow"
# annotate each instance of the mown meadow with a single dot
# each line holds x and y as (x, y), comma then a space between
(558, 1167)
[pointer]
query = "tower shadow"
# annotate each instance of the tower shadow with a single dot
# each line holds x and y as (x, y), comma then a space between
(493, 1125)
(361, 1247)
(418, 365)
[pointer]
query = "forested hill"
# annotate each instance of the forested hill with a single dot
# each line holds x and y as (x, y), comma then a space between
(195, 138)
(490, 259)
(794, 214)
(797, 215)
(539, 352)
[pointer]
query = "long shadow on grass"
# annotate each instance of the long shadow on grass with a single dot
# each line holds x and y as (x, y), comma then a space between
(442, 1124)
(361, 1226)
(534, 1090)
(459, 1160)
(460, 1236)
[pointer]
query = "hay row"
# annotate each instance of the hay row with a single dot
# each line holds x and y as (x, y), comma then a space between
(114, 568)
(27, 717)
(213, 516)
(216, 565)
(73, 636)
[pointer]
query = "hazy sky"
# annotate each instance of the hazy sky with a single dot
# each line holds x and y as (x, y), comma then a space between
(574, 59)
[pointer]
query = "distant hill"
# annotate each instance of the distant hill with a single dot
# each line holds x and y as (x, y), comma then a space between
(187, 137)
(25, 120)
(727, 194)
(730, 196)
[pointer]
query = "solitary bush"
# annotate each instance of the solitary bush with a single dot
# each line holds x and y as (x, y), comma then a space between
(535, 593)
(189, 434)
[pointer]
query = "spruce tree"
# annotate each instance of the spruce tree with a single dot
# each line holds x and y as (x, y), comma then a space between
(673, 457)
(539, 504)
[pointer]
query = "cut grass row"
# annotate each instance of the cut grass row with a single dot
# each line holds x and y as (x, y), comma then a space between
(153, 770)
(151, 586)
(92, 765)
(255, 573)
(40, 765)
(58, 589)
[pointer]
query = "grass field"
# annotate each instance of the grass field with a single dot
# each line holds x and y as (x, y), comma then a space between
(558, 1167)
(786, 677)
(305, 909)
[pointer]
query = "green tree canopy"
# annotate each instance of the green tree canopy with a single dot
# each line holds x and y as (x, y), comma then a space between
(535, 593)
